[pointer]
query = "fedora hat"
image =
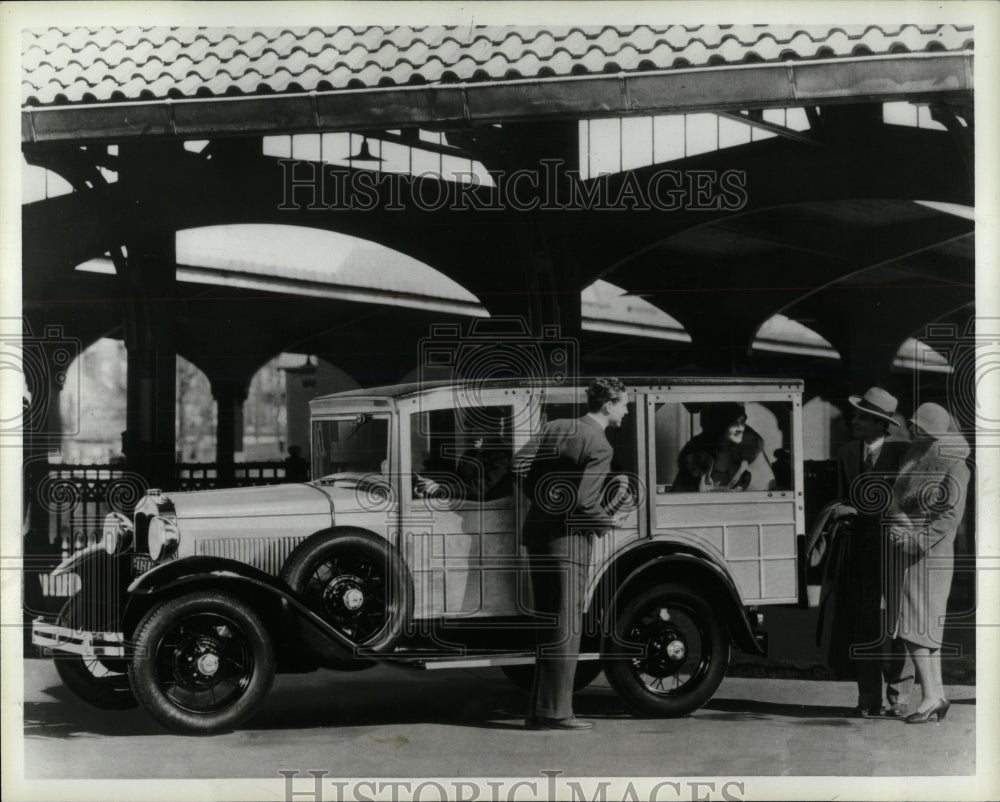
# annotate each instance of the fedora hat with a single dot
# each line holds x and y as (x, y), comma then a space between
(877, 403)
(933, 419)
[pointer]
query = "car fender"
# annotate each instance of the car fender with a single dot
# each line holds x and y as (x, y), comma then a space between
(103, 577)
(170, 574)
(93, 560)
(217, 573)
(739, 627)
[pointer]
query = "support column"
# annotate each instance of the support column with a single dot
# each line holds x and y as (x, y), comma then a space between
(147, 267)
(539, 284)
(229, 397)
(533, 260)
(959, 122)
(151, 415)
(45, 357)
(45, 362)
(556, 233)
(568, 294)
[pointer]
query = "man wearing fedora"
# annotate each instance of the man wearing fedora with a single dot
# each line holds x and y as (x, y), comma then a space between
(866, 469)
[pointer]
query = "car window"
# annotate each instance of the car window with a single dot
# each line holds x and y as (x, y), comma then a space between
(723, 446)
(359, 444)
(464, 454)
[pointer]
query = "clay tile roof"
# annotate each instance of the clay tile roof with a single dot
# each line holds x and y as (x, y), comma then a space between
(86, 64)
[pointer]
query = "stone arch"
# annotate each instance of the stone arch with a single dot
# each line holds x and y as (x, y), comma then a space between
(92, 406)
(782, 333)
(276, 411)
(787, 254)
(883, 168)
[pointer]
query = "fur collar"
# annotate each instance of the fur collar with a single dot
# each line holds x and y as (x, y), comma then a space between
(936, 455)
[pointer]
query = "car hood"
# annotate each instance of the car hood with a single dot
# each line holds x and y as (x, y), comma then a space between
(290, 499)
(352, 496)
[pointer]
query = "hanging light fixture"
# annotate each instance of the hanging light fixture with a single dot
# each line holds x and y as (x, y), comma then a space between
(306, 371)
(364, 154)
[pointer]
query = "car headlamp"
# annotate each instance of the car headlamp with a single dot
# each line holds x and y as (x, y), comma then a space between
(117, 536)
(163, 537)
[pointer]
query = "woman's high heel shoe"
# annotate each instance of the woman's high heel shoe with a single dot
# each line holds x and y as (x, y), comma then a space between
(937, 711)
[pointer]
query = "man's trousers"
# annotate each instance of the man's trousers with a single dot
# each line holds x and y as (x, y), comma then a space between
(558, 579)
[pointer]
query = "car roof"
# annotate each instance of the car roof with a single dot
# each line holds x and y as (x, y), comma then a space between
(413, 388)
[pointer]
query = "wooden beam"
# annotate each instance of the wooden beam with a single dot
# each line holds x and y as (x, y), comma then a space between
(780, 130)
(731, 87)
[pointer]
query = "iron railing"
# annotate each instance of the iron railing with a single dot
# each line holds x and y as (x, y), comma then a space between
(66, 506)
(205, 475)
(70, 502)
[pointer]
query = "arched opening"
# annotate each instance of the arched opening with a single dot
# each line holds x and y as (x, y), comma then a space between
(827, 428)
(610, 309)
(783, 335)
(916, 355)
(317, 263)
(196, 415)
(92, 408)
(276, 411)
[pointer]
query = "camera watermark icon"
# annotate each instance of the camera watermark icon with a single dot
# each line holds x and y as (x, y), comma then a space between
(972, 352)
(43, 362)
(492, 351)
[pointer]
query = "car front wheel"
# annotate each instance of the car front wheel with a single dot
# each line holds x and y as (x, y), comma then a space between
(668, 652)
(202, 663)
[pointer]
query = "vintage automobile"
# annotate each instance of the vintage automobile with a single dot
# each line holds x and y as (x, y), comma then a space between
(405, 550)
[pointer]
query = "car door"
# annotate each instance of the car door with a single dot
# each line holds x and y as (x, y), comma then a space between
(458, 529)
(750, 529)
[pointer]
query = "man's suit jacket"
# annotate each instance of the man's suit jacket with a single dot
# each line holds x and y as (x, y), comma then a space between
(570, 461)
(850, 466)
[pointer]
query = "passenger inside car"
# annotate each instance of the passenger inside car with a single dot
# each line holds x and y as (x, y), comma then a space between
(484, 469)
(727, 455)
(462, 454)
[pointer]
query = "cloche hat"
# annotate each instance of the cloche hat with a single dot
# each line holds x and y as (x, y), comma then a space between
(933, 419)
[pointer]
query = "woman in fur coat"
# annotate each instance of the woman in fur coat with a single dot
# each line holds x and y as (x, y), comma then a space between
(726, 455)
(928, 504)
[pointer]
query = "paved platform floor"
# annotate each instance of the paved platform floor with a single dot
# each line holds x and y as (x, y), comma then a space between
(387, 722)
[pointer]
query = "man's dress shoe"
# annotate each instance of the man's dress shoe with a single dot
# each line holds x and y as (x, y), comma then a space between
(862, 711)
(571, 723)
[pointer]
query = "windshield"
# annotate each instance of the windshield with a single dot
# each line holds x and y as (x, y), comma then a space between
(358, 444)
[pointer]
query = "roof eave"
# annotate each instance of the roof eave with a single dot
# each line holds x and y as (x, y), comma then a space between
(911, 76)
(410, 389)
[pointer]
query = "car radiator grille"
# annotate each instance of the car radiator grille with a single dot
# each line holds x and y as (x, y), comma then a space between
(266, 553)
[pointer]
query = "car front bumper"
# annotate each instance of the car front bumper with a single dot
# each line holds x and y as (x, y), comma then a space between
(75, 641)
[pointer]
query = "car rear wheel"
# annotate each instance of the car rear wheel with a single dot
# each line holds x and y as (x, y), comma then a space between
(668, 653)
(99, 682)
(524, 675)
(202, 663)
(356, 583)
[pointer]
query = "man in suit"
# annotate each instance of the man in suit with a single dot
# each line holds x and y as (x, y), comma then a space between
(569, 463)
(866, 469)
